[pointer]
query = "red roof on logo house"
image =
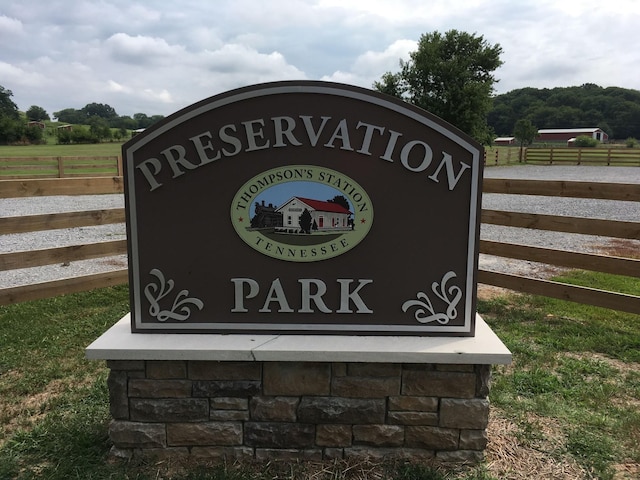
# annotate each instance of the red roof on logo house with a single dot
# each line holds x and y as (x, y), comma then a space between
(321, 206)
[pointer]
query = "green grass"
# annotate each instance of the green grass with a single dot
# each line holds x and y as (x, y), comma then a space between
(572, 392)
(575, 366)
(53, 150)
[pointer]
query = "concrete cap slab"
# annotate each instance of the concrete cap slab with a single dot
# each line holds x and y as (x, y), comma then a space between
(118, 343)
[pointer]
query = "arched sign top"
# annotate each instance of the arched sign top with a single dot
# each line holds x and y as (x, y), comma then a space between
(252, 211)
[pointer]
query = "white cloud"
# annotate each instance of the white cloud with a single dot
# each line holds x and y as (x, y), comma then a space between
(118, 87)
(157, 57)
(370, 66)
(140, 50)
(10, 27)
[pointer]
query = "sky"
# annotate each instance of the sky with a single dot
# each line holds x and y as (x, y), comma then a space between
(157, 57)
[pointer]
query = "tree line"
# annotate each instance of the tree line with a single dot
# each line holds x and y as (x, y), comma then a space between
(93, 123)
(613, 109)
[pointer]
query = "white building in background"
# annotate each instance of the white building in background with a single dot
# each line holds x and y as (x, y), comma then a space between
(325, 215)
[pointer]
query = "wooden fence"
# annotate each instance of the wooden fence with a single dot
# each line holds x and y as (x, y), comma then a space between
(59, 167)
(583, 261)
(111, 166)
(583, 156)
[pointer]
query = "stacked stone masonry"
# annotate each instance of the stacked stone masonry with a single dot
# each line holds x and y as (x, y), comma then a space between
(284, 410)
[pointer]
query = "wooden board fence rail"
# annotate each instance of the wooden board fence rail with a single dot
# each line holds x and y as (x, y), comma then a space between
(67, 186)
(583, 261)
(562, 291)
(580, 156)
(52, 221)
(60, 167)
(72, 253)
(599, 263)
(558, 223)
(65, 286)
(629, 192)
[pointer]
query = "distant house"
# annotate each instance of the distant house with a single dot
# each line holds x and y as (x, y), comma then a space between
(504, 141)
(566, 134)
(36, 124)
(325, 215)
(65, 127)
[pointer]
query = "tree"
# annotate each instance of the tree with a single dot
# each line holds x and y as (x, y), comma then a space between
(525, 132)
(8, 109)
(305, 221)
(70, 115)
(37, 114)
(142, 120)
(99, 128)
(13, 129)
(101, 110)
(615, 110)
(451, 76)
(340, 200)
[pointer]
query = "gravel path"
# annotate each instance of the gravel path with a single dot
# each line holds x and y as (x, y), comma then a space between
(605, 209)
(571, 207)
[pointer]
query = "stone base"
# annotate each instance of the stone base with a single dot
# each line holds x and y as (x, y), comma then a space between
(285, 410)
(215, 397)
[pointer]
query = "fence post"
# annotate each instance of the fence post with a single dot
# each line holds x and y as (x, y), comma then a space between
(579, 155)
(119, 166)
(497, 152)
(60, 167)
(551, 156)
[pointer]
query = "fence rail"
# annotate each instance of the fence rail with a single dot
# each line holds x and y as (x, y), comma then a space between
(580, 156)
(59, 167)
(12, 168)
(593, 262)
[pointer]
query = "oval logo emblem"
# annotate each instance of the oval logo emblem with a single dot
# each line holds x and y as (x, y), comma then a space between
(301, 213)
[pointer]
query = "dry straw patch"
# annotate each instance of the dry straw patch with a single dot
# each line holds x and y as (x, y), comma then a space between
(509, 459)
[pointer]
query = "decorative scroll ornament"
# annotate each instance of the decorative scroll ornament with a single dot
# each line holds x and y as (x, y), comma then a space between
(182, 304)
(425, 312)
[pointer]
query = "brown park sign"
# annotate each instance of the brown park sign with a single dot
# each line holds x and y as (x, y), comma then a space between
(303, 207)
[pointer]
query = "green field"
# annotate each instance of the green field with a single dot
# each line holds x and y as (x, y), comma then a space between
(53, 150)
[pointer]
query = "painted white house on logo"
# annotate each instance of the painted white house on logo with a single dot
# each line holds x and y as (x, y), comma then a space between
(325, 216)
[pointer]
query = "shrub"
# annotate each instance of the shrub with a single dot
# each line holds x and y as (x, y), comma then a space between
(585, 141)
(631, 142)
(83, 135)
(64, 137)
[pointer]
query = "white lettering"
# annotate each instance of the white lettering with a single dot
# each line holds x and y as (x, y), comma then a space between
(368, 134)
(307, 296)
(176, 155)
(393, 139)
(452, 179)
(239, 295)
(253, 134)
(231, 140)
(354, 296)
(312, 291)
(202, 148)
(311, 133)
(281, 132)
(426, 159)
(148, 175)
(276, 294)
(341, 132)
